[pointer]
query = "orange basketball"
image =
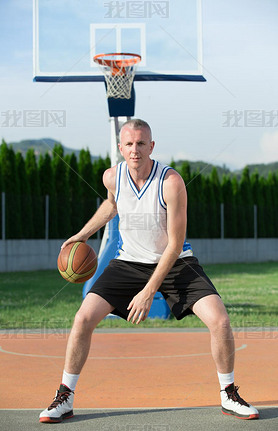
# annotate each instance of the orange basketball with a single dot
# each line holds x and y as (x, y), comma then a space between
(77, 262)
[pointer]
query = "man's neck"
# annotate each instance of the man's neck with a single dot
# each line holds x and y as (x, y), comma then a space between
(140, 175)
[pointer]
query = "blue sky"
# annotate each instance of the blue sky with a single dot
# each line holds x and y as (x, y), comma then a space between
(188, 119)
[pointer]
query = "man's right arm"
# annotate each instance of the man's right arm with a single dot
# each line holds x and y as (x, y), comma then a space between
(104, 213)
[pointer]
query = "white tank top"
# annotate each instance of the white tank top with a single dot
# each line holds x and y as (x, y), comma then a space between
(143, 226)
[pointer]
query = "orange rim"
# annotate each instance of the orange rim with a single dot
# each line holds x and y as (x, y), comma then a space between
(117, 65)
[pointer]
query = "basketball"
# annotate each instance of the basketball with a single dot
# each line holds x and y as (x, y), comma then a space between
(77, 262)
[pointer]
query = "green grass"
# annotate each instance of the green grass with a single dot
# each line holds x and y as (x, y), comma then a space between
(43, 299)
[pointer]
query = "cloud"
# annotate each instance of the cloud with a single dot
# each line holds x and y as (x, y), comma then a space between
(269, 147)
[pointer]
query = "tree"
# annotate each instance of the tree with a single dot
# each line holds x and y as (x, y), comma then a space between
(214, 205)
(173, 164)
(185, 173)
(88, 185)
(257, 185)
(1, 190)
(247, 210)
(272, 204)
(199, 222)
(61, 184)
(99, 167)
(46, 176)
(269, 228)
(10, 186)
(25, 198)
(239, 210)
(230, 212)
(37, 203)
(74, 193)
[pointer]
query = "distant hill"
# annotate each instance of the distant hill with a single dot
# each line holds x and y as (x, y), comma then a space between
(206, 168)
(262, 169)
(42, 146)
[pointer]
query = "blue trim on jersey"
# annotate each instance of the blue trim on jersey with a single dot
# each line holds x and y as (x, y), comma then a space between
(160, 193)
(140, 193)
(118, 181)
(119, 246)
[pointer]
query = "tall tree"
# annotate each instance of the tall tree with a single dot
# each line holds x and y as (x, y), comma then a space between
(230, 212)
(75, 193)
(247, 204)
(99, 167)
(25, 198)
(216, 200)
(11, 189)
(37, 201)
(239, 210)
(185, 173)
(48, 189)
(272, 204)
(1, 190)
(88, 185)
(257, 185)
(61, 183)
(200, 217)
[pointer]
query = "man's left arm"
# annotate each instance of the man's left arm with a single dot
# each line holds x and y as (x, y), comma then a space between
(175, 197)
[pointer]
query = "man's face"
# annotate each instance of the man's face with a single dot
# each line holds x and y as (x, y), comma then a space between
(136, 146)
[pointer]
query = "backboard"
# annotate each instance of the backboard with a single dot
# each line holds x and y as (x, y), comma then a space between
(69, 33)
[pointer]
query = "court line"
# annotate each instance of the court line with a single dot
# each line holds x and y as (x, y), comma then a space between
(115, 409)
(243, 346)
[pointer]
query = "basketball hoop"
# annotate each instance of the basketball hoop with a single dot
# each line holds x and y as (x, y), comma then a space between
(119, 70)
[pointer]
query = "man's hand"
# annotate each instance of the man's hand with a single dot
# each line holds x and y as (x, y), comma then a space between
(74, 238)
(140, 306)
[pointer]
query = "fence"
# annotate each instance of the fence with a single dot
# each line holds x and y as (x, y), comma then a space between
(221, 218)
(32, 255)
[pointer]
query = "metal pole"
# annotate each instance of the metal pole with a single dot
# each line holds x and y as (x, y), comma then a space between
(116, 123)
(222, 220)
(3, 216)
(255, 222)
(47, 217)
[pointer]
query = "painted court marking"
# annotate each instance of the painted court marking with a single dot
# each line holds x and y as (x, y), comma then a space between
(244, 346)
(131, 370)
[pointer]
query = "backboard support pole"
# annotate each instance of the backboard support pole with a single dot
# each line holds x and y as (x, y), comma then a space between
(116, 124)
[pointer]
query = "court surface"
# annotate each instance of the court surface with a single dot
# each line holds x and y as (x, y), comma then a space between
(137, 379)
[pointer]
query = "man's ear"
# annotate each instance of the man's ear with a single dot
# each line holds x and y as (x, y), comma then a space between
(120, 147)
(152, 146)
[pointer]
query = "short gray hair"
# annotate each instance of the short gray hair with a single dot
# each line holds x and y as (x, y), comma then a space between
(136, 123)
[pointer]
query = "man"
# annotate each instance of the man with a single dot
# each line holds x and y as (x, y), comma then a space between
(152, 255)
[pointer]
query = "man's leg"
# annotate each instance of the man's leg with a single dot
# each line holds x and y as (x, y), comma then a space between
(93, 309)
(212, 312)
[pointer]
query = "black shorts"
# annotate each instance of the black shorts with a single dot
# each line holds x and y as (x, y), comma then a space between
(184, 285)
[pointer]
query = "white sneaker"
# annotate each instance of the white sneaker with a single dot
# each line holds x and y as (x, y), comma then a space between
(61, 408)
(233, 404)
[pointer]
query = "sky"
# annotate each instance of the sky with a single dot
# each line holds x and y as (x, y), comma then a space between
(232, 119)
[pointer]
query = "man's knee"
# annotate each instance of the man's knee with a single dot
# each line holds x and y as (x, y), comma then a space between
(84, 321)
(221, 324)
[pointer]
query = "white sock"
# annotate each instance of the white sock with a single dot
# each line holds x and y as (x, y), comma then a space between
(70, 380)
(225, 379)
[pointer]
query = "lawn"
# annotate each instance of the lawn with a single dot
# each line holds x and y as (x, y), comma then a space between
(43, 300)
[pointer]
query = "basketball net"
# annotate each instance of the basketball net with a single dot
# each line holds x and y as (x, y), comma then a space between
(119, 71)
